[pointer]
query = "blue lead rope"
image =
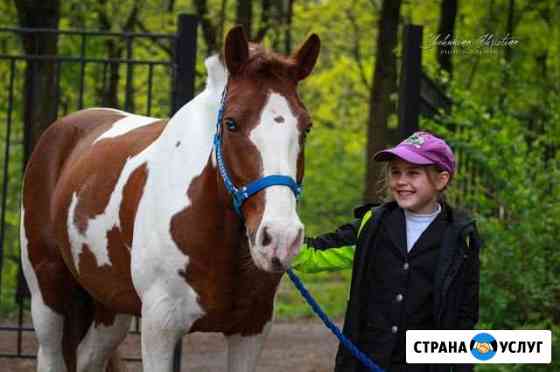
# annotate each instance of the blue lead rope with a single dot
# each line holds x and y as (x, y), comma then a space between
(363, 358)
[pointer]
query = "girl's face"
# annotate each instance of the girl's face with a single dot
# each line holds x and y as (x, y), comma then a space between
(413, 187)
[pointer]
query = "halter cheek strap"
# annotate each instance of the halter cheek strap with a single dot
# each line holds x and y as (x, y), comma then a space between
(241, 194)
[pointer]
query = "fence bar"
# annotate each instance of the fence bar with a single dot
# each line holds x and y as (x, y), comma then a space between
(185, 59)
(19, 332)
(82, 71)
(35, 57)
(409, 85)
(57, 83)
(182, 67)
(150, 85)
(89, 33)
(129, 88)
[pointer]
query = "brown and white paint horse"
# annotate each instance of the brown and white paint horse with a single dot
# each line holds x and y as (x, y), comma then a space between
(127, 215)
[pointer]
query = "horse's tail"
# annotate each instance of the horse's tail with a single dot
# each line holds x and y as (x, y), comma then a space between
(78, 317)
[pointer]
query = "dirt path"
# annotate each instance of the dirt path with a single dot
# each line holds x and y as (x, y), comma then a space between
(299, 346)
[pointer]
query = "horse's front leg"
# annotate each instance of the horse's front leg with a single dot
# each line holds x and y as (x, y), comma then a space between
(244, 351)
(166, 318)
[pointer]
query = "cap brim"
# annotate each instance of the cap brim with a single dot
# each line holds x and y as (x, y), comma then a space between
(404, 154)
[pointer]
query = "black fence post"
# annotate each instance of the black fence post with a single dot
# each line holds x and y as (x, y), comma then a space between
(409, 85)
(185, 61)
(183, 91)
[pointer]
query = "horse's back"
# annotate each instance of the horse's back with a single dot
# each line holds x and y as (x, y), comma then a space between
(69, 183)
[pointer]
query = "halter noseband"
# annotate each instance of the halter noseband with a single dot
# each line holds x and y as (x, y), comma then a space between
(241, 194)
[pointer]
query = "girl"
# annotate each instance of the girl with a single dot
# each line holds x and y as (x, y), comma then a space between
(415, 262)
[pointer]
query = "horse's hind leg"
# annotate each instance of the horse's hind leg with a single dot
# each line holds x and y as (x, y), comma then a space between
(105, 334)
(244, 351)
(48, 324)
(61, 310)
(49, 330)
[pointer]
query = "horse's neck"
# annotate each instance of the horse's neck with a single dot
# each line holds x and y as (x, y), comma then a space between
(191, 128)
(182, 151)
(187, 139)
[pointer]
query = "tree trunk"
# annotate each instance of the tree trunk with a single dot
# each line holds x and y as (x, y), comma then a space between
(446, 31)
(265, 22)
(109, 92)
(40, 109)
(244, 15)
(506, 73)
(509, 30)
(384, 86)
(289, 6)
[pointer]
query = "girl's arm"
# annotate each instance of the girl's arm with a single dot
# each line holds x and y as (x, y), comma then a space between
(332, 251)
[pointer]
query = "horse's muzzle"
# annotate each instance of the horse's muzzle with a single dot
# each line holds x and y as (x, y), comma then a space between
(276, 243)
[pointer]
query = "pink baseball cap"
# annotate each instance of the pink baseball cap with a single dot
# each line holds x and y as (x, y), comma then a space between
(422, 148)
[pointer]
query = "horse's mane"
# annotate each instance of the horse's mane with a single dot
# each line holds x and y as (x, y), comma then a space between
(217, 74)
(262, 63)
(265, 63)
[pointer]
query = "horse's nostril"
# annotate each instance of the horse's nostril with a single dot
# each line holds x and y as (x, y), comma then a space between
(276, 264)
(266, 239)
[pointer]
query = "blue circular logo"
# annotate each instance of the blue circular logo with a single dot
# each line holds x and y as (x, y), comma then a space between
(483, 346)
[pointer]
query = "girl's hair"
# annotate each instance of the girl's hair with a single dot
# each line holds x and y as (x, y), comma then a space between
(383, 183)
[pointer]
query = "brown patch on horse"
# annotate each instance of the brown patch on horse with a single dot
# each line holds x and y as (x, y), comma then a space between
(111, 284)
(132, 193)
(42, 175)
(97, 186)
(236, 296)
(68, 142)
(101, 164)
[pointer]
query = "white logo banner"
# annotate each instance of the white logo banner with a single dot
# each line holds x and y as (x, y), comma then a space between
(478, 346)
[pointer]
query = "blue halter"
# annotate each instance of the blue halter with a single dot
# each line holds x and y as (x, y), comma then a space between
(241, 194)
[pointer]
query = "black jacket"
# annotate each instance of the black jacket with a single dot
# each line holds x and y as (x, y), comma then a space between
(449, 259)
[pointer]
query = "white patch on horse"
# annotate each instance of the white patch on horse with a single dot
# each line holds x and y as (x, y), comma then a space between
(109, 109)
(168, 301)
(278, 144)
(125, 125)
(100, 342)
(95, 235)
(279, 149)
(48, 324)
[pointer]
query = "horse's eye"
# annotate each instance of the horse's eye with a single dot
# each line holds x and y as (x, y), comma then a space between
(231, 124)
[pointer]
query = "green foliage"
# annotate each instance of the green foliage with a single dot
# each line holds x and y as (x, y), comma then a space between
(508, 175)
(505, 128)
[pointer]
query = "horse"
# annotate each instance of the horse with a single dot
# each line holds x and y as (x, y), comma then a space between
(188, 222)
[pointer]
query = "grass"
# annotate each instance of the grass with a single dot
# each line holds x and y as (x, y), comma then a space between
(330, 290)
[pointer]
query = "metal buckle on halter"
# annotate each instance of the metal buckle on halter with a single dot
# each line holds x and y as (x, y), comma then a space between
(239, 198)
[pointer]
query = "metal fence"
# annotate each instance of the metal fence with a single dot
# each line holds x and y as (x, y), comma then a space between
(147, 73)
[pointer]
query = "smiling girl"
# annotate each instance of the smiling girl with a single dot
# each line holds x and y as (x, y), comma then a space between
(415, 259)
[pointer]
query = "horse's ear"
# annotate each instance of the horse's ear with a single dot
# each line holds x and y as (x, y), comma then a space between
(236, 50)
(306, 56)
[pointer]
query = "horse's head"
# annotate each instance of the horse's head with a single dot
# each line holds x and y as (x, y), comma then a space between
(263, 131)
